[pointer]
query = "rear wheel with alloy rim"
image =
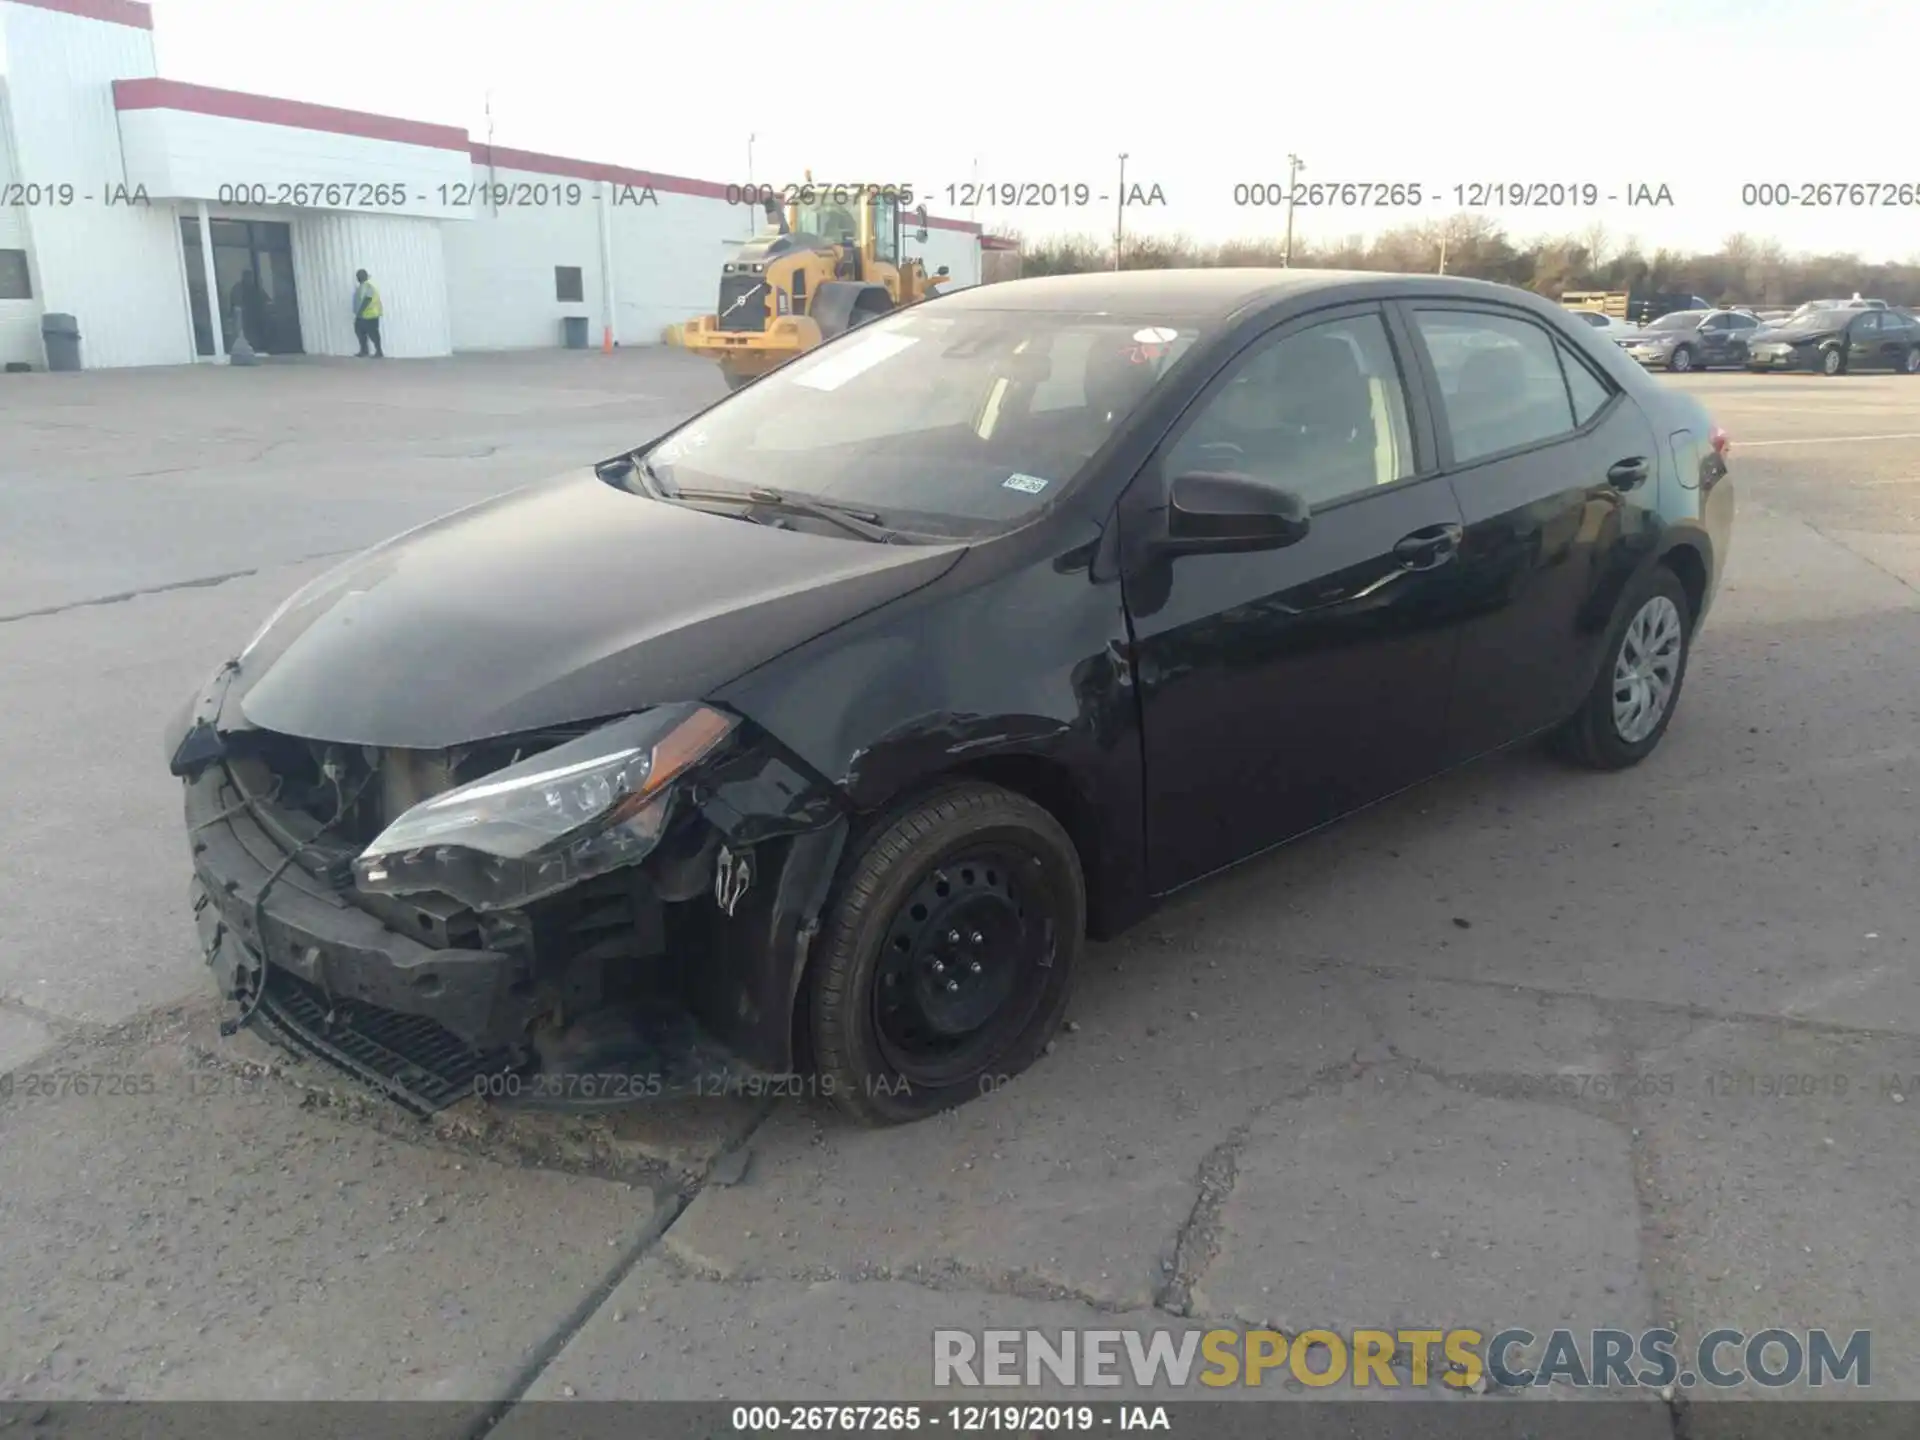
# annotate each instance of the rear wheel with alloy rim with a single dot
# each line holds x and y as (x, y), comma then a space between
(1634, 696)
(1912, 365)
(948, 955)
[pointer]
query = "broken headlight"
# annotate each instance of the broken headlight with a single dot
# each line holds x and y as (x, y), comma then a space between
(547, 822)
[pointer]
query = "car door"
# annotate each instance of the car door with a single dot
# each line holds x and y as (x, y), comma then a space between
(1715, 334)
(1740, 329)
(1864, 350)
(1281, 688)
(1555, 470)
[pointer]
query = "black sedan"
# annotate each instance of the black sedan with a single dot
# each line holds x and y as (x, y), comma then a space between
(1837, 342)
(799, 749)
(1693, 340)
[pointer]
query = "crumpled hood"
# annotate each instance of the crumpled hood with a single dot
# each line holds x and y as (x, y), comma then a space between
(570, 600)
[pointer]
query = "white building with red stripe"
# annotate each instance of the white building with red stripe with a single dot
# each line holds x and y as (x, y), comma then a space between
(127, 201)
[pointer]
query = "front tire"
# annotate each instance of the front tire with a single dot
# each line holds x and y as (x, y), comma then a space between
(1832, 362)
(1681, 361)
(1638, 687)
(736, 382)
(948, 954)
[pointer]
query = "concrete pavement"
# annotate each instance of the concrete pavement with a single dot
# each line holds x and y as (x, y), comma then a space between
(1524, 1047)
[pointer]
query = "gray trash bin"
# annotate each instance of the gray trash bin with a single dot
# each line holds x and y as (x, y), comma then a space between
(576, 328)
(62, 336)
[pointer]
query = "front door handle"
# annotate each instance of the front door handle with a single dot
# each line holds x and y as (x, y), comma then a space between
(1625, 474)
(1428, 548)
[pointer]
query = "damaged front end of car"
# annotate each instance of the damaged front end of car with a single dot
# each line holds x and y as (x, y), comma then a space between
(577, 917)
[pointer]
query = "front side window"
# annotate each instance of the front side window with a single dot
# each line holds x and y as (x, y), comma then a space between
(1867, 324)
(1319, 411)
(1501, 385)
(958, 424)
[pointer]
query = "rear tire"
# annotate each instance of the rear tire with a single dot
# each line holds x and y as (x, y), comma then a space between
(1647, 648)
(894, 1035)
(1911, 365)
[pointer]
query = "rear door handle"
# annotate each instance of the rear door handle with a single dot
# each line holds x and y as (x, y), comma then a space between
(1625, 474)
(1428, 548)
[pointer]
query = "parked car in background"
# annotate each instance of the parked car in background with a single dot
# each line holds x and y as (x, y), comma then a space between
(1612, 327)
(1834, 342)
(1693, 340)
(1856, 303)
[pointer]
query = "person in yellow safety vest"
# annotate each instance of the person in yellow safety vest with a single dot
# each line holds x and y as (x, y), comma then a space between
(366, 316)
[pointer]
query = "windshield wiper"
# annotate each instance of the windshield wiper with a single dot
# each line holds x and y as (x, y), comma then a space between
(864, 523)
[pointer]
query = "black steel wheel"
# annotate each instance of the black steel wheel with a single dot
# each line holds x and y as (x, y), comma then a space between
(948, 954)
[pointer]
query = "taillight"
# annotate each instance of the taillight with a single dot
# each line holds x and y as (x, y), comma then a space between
(1721, 442)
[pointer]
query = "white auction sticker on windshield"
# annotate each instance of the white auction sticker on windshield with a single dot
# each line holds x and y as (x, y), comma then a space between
(1026, 484)
(832, 374)
(1155, 335)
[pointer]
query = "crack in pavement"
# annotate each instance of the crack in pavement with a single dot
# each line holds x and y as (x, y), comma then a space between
(205, 582)
(1198, 1240)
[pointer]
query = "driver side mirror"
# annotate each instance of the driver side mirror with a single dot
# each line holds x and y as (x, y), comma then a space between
(1221, 512)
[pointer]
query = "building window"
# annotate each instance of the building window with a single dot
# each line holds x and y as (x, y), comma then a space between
(15, 282)
(567, 284)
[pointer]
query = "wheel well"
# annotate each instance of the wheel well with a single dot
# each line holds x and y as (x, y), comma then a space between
(1047, 784)
(1685, 562)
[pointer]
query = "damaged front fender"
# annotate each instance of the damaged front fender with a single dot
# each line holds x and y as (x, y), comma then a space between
(780, 832)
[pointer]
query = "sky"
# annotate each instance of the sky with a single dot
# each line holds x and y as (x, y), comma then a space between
(1702, 97)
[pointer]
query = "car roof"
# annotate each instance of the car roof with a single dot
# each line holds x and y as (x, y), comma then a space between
(1201, 295)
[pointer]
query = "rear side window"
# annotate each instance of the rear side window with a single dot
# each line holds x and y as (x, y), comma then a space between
(1590, 394)
(1501, 385)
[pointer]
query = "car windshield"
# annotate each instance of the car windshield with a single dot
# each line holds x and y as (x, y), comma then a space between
(954, 424)
(1679, 320)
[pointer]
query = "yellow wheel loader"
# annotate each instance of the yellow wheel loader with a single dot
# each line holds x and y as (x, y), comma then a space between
(827, 262)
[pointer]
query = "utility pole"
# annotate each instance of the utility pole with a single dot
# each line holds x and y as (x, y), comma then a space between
(1445, 235)
(1294, 166)
(1120, 213)
(750, 140)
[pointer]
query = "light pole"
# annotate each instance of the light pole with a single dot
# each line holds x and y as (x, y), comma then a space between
(1294, 166)
(750, 140)
(1120, 213)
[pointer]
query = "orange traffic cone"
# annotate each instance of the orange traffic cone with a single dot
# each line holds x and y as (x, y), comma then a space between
(606, 339)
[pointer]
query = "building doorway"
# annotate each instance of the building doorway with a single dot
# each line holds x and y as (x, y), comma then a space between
(253, 266)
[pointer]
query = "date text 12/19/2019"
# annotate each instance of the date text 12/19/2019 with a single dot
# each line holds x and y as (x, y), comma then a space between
(614, 1087)
(960, 1419)
(1472, 195)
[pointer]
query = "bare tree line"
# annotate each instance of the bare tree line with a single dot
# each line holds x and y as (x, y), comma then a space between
(1744, 270)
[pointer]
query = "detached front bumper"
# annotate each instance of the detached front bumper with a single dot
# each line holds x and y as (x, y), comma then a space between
(424, 1024)
(546, 1006)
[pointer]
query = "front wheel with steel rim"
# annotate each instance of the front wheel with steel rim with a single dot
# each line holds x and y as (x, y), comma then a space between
(1638, 687)
(1832, 362)
(947, 955)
